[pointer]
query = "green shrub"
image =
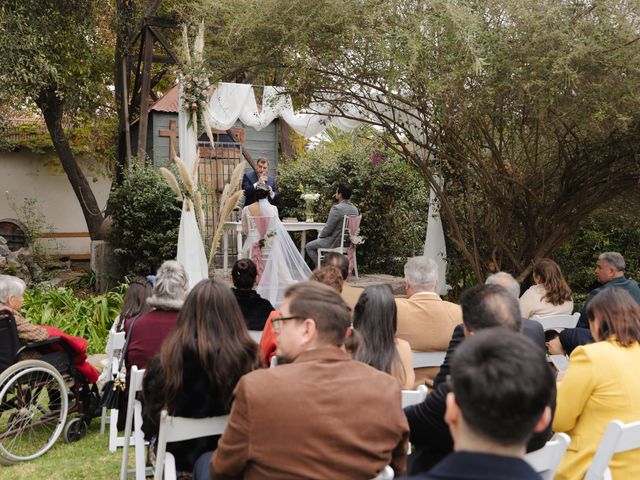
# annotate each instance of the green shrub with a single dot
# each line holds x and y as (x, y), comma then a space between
(89, 318)
(390, 195)
(146, 217)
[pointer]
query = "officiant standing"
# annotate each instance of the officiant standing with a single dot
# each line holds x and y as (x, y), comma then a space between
(261, 175)
(329, 237)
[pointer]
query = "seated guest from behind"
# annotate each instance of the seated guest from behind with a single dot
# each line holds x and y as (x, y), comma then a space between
(323, 415)
(424, 319)
(349, 294)
(601, 384)
(255, 309)
(150, 329)
(550, 295)
(135, 302)
(485, 306)
(497, 400)
(375, 319)
(198, 366)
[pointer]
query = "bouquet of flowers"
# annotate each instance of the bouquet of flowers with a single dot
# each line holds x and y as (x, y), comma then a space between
(195, 92)
(310, 197)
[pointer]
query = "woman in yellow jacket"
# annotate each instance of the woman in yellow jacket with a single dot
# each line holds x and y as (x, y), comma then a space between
(602, 384)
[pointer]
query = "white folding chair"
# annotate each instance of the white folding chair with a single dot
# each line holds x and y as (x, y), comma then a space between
(115, 344)
(134, 417)
(618, 438)
(255, 335)
(387, 473)
(413, 397)
(177, 429)
(344, 244)
(545, 461)
(554, 322)
(427, 359)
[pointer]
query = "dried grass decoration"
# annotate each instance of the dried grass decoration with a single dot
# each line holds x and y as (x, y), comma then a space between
(231, 197)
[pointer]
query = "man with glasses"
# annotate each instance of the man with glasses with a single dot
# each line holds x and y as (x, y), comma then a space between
(323, 415)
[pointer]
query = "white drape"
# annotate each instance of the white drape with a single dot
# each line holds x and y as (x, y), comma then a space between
(231, 102)
(434, 245)
(190, 248)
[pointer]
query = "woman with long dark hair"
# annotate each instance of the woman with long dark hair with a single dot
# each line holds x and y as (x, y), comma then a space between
(550, 295)
(198, 366)
(375, 318)
(135, 302)
(601, 384)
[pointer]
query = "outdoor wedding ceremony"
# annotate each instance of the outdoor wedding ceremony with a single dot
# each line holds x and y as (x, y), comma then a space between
(320, 239)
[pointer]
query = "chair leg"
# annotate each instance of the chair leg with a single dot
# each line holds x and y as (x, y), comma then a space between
(103, 420)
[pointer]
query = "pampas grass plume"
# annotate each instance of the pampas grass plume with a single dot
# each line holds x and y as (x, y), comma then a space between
(171, 180)
(184, 173)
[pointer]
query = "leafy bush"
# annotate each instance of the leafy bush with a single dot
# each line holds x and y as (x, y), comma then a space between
(390, 195)
(89, 318)
(146, 217)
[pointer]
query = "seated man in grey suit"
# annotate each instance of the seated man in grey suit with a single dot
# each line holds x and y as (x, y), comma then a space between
(329, 237)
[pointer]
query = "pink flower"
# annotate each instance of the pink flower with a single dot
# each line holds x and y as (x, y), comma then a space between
(194, 106)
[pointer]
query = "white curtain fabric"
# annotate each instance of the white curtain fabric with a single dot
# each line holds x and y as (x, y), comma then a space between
(233, 101)
(434, 245)
(190, 248)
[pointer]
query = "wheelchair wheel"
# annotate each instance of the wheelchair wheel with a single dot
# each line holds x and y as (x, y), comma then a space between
(33, 410)
(75, 430)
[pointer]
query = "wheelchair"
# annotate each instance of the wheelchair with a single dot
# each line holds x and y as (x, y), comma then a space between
(38, 395)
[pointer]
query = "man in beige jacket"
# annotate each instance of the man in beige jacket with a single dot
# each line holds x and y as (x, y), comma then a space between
(424, 319)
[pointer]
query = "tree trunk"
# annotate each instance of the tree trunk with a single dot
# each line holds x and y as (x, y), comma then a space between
(52, 110)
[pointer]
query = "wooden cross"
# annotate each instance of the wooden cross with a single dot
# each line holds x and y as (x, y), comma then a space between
(172, 133)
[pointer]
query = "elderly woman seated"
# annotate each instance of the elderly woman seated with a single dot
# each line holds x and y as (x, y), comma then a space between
(11, 299)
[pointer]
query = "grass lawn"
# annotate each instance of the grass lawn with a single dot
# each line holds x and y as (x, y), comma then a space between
(88, 458)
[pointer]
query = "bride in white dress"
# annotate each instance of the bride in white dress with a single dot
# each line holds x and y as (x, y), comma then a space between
(269, 245)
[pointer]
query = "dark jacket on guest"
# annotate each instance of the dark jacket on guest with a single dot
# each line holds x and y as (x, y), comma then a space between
(429, 433)
(198, 399)
(255, 309)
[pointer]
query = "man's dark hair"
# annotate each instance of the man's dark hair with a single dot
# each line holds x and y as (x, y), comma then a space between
(262, 160)
(324, 305)
(502, 385)
(345, 190)
(337, 260)
(486, 306)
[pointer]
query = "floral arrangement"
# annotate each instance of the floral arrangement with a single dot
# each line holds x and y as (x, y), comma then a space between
(195, 91)
(356, 240)
(267, 241)
(195, 82)
(310, 197)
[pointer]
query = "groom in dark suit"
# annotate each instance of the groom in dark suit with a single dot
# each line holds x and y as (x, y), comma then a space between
(260, 175)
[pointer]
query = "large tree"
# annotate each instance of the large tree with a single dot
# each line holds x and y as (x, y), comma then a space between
(528, 111)
(56, 55)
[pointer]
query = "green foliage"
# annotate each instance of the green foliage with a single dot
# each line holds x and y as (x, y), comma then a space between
(578, 256)
(146, 217)
(528, 110)
(89, 318)
(391, 197)
(50, 43)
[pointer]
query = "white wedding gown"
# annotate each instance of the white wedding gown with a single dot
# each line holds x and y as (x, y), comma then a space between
(283, 264)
